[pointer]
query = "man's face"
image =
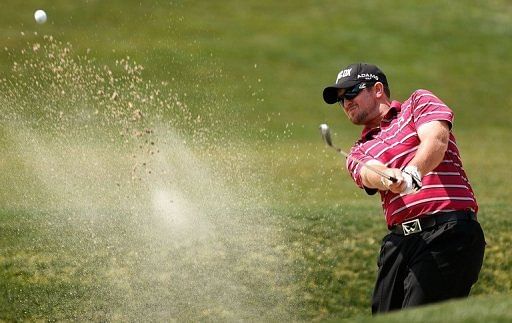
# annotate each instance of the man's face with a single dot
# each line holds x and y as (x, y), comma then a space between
(361, 107)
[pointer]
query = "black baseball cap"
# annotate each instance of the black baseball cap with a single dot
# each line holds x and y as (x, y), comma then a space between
(351, 76)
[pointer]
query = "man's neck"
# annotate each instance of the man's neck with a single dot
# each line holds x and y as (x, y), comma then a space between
(383, 110)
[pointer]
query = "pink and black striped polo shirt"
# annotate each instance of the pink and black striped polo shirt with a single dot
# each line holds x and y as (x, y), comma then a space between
(446, 188)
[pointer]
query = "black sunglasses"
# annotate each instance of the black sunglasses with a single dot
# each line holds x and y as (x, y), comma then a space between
(354, 91)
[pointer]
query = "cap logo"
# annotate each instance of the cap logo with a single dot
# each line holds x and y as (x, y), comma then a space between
(343, 73)
(368, 76)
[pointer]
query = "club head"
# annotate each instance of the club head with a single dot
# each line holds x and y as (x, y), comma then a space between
(326, 134)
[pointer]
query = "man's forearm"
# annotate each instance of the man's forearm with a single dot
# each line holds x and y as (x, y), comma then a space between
(428, 156)
(434, 138)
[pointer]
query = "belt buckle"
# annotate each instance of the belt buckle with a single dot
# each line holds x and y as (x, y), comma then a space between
(412, 226)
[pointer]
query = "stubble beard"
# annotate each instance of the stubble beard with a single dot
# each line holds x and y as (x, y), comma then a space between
(360, 118)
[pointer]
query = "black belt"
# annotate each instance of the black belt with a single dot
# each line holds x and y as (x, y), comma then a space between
(429, 221)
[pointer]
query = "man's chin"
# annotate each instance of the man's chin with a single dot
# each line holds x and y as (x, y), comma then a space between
(357, 122)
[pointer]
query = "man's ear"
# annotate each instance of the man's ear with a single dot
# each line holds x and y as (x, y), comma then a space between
(379, 90)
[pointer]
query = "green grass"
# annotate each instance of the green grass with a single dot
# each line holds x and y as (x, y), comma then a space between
(493, 308)
(233, 136)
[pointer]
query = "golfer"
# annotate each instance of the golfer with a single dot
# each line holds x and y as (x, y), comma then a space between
(435, 246)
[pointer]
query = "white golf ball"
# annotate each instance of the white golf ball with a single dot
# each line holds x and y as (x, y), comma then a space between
(40, 16)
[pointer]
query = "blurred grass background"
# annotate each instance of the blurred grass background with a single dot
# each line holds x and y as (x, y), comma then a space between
(262, 65)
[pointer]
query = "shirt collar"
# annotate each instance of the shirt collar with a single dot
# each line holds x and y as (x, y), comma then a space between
(368, 133)
(395, 108)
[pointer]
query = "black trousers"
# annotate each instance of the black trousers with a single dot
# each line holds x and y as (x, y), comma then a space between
(440, 263)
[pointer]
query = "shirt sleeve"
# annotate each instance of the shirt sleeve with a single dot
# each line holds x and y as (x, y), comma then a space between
(354, 168)
(427, 107)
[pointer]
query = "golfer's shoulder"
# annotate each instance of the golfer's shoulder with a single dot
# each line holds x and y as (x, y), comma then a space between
(422, 95)
(421, 98)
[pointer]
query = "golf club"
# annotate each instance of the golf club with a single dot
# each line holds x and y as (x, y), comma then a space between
(326, 135)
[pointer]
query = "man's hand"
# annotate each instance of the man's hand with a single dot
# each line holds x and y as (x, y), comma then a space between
(409, 180)
(412, 177)
(396, 187)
